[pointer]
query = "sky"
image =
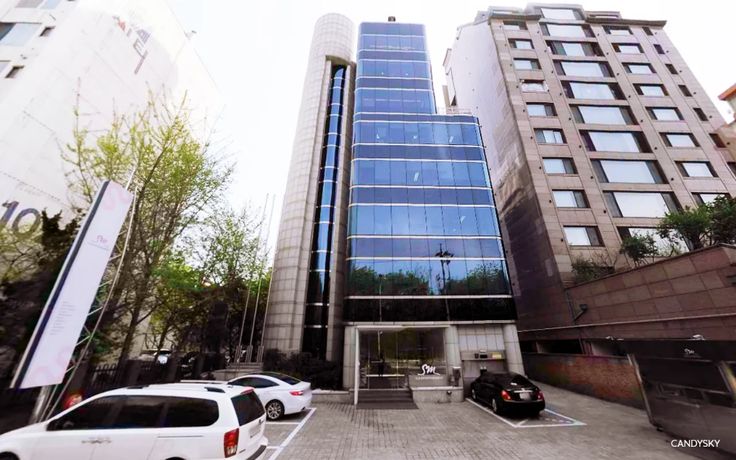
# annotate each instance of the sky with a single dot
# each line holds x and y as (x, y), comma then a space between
(256, 52)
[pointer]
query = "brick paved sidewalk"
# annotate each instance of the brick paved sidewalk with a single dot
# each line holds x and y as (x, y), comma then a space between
(463, 431)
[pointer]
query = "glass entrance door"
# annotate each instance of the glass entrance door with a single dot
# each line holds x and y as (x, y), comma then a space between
(389, 358)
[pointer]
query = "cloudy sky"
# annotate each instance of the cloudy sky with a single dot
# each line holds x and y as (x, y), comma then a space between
(256, 51)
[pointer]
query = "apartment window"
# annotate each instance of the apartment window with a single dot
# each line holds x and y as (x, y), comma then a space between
(628, 172)
(639, 69)
(521, 44)
(699, 112)
(579, 90)
(664, 113)
(574, 49)
(706, 198)
(732, 166)
(14, 71)
(549, 136)
(640, 204)
(671, 68)
(514, 25)
(597, 114)
(613, 141)
(627, 48)
(563, 30)
(685, 91)
(560, 13)
(647, 31)
(659, 48)
(717, 140)
(617, 30)
(582, 236)
(526, 64)
(535, 109)
(651, 90)
(665, 246)
(685, 140)
(569, 199)
(696, 169)
(46, 31)
(582, 69)
(17, 34)
(559, 166)
(533, 86)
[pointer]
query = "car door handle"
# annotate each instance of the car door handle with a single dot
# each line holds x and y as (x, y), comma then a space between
(96, 441)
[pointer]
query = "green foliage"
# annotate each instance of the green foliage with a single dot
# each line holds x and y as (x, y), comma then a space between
(723, 220)
(690, 224)
(24, 294)
(705, 225)
(325, 375)
(585, 270)
(639, 248)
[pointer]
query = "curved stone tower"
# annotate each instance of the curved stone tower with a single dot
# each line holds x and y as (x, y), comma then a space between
(305, 302)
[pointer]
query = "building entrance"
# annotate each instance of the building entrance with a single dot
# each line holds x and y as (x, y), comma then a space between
(389, 358)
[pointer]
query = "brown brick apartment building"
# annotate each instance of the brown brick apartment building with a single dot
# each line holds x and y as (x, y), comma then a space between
(595, 127)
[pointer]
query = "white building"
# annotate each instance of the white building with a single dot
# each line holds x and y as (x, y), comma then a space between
(105, 55)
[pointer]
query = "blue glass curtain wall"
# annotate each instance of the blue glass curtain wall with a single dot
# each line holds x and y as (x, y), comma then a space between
(423, 236)
(318, 285)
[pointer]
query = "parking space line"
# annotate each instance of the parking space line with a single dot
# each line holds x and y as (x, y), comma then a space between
(283, 423)
(521, 424)
(293, 433)
(491, 412)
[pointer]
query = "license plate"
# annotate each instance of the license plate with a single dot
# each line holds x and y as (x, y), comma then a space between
(525, 396)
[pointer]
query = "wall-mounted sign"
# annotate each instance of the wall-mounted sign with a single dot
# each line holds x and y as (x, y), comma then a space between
(428, 370)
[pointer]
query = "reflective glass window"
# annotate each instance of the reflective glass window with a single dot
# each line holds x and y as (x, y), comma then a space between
(696, 169)
(582, 236)
(607, 141)
(628, 172)
(521, 44)
(540, 109)
(650, 90)
(569, 199)
(707, 198)
(526, 64)
(549, 136)
(17, 34)
(584, 69)
(560, 13)
(639, 68)
(639, 204)
(679, 140)
(558, 166)
(602, 115)
(580, 90)
(665, 113)
(562, 30)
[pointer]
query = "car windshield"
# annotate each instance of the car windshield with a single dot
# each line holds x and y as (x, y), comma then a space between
(283, 377)
(512, 379)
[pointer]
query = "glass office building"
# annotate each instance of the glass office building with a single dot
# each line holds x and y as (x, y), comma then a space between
(423, 237)
(405, 261)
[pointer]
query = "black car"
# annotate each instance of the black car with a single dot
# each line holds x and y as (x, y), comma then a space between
(507, 392)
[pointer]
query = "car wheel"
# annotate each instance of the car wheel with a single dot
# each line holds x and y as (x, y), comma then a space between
(473, 395)
(274, 410)
(8, 457)
(495, 407)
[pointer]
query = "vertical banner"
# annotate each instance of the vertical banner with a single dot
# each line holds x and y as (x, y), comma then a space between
(52, 344)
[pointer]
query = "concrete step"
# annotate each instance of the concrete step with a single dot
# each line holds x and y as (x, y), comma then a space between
(380, 396)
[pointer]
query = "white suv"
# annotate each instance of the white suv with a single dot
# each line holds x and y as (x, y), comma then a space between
(154, 422)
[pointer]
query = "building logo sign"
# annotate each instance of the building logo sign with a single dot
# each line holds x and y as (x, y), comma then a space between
(139, 36)
(428, 370)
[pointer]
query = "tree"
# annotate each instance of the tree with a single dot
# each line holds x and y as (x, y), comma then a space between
(723, 220)
(24, 295)
(175, 180)
(690, 224)
(639, 248)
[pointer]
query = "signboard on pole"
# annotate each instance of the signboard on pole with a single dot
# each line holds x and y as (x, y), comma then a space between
(50, 349)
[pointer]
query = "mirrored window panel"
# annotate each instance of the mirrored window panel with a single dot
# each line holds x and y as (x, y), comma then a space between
(628, 171)
(640, 204)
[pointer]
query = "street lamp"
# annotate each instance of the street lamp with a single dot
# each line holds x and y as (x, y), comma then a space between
(445, 256)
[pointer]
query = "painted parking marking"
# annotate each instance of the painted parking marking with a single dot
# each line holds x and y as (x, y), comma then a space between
(276, 450)
(548, 417)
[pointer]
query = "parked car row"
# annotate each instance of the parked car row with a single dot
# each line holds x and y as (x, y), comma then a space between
(185, 420)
